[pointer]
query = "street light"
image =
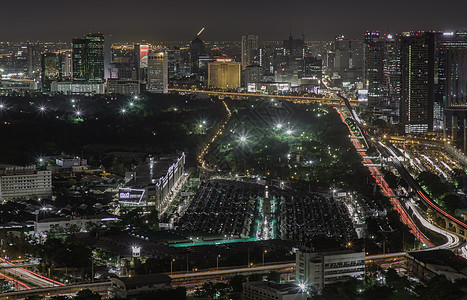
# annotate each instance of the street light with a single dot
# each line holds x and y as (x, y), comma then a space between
(171, 266)
(289, 132)
(264, 252)
(217, 264)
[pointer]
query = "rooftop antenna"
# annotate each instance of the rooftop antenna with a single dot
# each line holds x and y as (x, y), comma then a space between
(201, 31)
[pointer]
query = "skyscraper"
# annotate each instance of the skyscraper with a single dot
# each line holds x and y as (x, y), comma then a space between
(224, 74)
(88, 58)
(451, 88)
(342, 53)
(197, 49)
(158, 72)
(50, 70)
(417, 93)
(250, 50)
(382, 74)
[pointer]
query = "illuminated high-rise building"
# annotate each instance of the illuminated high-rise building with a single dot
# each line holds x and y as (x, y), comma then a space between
(50, 70)
(197, 49)
(158, 72)
(66, 65)
(250, 50)
(88, 59)
(224, 74)
(450, 105)
(417, 93)
(382, 75)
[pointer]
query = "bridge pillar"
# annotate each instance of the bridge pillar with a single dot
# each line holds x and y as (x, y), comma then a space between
(454, 127)
(446, 223)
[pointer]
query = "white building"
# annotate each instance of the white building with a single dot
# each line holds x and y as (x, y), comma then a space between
(24, 182)
(134, 286)
(158, 72)
(70, 88)
(64, 224)
(316, 269)
(127, 87)
(262, 290)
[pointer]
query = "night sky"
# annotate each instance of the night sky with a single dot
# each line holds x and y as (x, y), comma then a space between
(53, 20)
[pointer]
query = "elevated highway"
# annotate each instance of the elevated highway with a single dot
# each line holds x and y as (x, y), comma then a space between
(295, 99)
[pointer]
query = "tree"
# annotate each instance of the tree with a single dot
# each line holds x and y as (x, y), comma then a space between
(236, 283)
(439, 287)
(87, 294)
(255, 277)
(274, 276)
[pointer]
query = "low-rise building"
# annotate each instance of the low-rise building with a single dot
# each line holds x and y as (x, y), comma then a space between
(152, 182)
(428, 264)
(127, 87)
(133, 286)
(81, 88)
(318, 269)
(69, 224)
(24, 182)
(262, 290)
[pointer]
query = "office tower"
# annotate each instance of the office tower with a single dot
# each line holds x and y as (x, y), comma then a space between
(382, 74)
(88, 59)
(107, 56)
(374, 56)
(252, 74)
(417, 93)
(288, 64)
(50, 70)
(66, 65)
(392, 76)
(34, 59)
(141, 61)
(312, 68)
(342, 53)
(250, 50)
(318, 269)
(450, 104)
(197, 49)
(158, 73)
(294, 47)
(224, 74)
(356, 54)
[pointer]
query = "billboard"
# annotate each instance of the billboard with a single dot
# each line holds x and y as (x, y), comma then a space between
(130, 196)
(143, 56)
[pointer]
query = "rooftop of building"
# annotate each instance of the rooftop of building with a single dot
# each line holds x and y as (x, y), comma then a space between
(141, 280)
(152, 170)
(284, 289)
(69, 218)
(441, 257)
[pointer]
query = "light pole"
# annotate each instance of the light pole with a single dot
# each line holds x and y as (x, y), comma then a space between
(264, 252)
(171, 266)
(217, 263)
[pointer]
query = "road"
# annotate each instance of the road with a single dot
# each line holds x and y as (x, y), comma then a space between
(299, 99)
(385, 189)
(26, 278)
(453, 241)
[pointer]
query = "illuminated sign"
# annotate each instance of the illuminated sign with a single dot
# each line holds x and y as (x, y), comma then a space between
(143, 56)
(131, 196)
(224, 60)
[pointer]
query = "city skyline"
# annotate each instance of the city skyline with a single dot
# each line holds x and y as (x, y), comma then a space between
(317, 21)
